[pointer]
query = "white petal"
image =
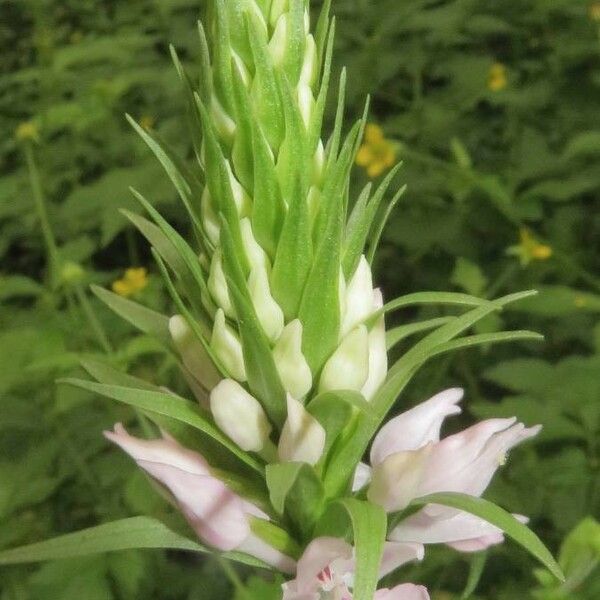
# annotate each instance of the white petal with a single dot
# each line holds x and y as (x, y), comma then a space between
(227, 347)
(291, 364)
(303, 437)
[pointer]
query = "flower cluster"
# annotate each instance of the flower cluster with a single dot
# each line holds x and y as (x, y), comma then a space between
(280, 332)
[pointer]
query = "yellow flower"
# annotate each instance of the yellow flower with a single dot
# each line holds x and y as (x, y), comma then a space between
(529, 248)
(27, 131)
(594, 11)
(497, 78)
(132, 282)
(376, 154)
(147, 121)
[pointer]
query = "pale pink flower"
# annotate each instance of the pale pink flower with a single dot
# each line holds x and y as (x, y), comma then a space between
(326, 570)
(218, 516)
(410, 461)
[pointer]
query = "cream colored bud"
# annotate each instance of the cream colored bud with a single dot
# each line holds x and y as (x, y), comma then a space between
(240, 415)
(224, 124)
(227, 347)
(217, 284)
(292, 367)
(378, 360)
(348, 366)
(278, 43)
(240, 197)
(210, 221)
(313, 201)
(319, 163)
(278, 7)
(359, 297)
(193, 353)
(254, 252)
(308, 74)
(395, 482)
(306, 103)
(242, 69)
(302, 437)
(267, 310)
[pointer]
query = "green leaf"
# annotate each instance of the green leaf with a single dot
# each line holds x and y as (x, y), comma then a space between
(468, 276)
(490, 512)
(168, 405)
(396, 335)
(476, 568)
(296, 491)
(382, 223)
(296, 41)
(275, 536)
(369, 525)
(144, 319)
(186, 183)
(125, 534)
(263, 377)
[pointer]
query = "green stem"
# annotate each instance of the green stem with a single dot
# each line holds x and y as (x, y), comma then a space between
(234, 578)
(93, 320)
(505, 276)
(42, 212)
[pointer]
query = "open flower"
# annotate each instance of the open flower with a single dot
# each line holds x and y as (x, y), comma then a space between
(529, 248)
(218, 516)
(409, 461)
(132, 282)
(377, 154)
(326, 570)
(497, 77)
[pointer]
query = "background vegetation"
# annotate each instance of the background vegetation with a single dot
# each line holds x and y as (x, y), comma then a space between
(493, 107)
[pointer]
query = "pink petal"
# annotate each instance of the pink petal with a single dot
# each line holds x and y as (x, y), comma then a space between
(397, 554)
(405, 591)
(257, 547)
(478, 544)
(416, 427)
(215, 512)
(467, 461)
(319, 554)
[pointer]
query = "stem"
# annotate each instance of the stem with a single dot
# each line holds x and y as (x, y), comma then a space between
(234, 578)
(505, 276)
(93, 320)
(42, 212)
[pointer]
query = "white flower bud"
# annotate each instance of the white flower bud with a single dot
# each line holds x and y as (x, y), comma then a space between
(277, 9)
(378, 361)
(240, 197)
(227, 347)
(256, 255)
(319, 163)
(292, 367)
(309, 66)
(359, 297)
(210, 221)
(302, 437)
(224, 124)
(193, 353)
(217, 285)
(240, 416)
(241, 67)
(306, 103)
(348, 366)
(278, 43)
(268, 311)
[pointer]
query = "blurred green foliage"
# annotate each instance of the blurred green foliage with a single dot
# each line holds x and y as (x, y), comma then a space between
(493, 107)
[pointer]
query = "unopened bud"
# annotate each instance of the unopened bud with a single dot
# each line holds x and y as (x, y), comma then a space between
(239, 415)
(210, 220)
(217, 285)
(359, 297)
(292, 367)
(348, 366)
(278, 43)
(309, 66)
(227, 347)
(223, 123)
(256, 255)
(193, 353)
(240, 197)
(267, 310)
(306, 103)
(278, 7)
(302, 437)
(378, 360)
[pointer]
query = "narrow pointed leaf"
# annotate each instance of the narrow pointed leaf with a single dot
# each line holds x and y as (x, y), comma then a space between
(490, 512)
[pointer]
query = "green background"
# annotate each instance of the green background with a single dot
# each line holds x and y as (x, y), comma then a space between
(481, 165)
